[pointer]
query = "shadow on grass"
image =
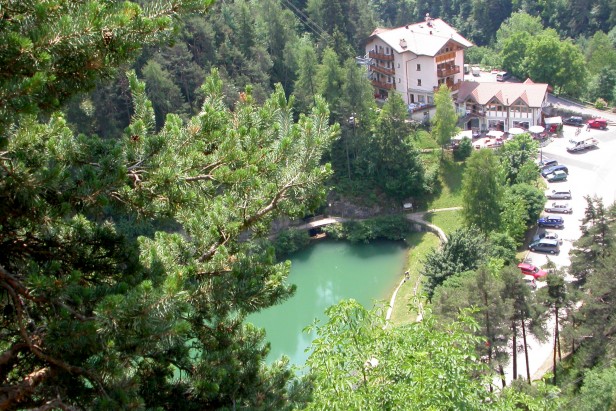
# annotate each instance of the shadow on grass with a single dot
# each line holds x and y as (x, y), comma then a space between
(448, 192)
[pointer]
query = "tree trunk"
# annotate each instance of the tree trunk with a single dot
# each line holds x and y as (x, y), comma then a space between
(525, 351)
(515, 352)
(573, 328)
(557, 332)
(346, 144)
(555, 345)
(501, 371)
(489, 351)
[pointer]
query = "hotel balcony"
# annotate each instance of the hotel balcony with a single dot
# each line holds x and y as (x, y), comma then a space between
(451, 85)
(385, 86)
(380, 56)
(447, 71)
(451, 55)
(382, 70)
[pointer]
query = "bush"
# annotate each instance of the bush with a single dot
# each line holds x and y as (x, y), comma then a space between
(389, 228)
(290, 241)
(464, 150)
(431, 179)
(600, 104)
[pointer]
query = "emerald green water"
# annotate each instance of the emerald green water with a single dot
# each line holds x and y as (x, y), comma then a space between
(325, 273)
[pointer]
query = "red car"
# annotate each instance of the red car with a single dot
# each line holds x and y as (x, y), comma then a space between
(599, 123)
(529, 269)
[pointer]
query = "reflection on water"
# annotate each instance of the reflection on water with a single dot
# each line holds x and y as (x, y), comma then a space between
(326, 273)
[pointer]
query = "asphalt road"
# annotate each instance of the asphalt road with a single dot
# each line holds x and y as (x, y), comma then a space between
(591, 173)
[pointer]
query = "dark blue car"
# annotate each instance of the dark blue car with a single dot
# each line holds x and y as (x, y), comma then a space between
(551, 221)
(550, 170)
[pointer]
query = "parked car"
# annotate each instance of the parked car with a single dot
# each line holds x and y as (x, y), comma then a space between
(599, 123)
(551, 221)
(530, 281)
(559, 194)
(558, 167)
(549, 235)
(559, 208)
(545, 246)
(574, 121)
(502, 76)
(556, 176)
(545, 163)
(529, 269)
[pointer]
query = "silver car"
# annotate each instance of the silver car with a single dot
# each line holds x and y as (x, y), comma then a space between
(550, 235)
(559, 208)
(559, 194)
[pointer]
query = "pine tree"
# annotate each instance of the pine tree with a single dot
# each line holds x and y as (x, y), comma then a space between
(53, 50)
(124, 282)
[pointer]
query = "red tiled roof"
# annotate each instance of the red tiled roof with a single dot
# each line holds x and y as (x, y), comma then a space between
(531, 93)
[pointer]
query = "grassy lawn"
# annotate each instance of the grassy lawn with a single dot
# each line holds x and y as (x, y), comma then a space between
(448, 221)
(450, 194)
(419, 245)
(424, 140)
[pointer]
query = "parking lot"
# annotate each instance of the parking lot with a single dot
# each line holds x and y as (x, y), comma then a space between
(591, 172)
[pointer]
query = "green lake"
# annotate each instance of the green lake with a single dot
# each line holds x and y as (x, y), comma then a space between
(325, 273)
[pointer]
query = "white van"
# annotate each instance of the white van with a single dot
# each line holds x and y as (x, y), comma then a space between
(502, 76)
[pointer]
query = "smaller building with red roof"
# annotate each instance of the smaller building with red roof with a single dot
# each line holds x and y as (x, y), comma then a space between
(501, 106)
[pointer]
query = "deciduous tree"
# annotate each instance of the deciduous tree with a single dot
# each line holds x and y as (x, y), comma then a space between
(482, 191)
(445, 119)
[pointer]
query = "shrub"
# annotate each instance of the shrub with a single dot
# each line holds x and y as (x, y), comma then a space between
(464, 150)
(600, 104)
(388, 227)
(290, 241)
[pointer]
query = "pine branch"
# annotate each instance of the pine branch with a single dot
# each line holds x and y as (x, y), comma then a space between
(38, 352)
(55, 404)
(9, 280)
(248, 222)
(16, 393)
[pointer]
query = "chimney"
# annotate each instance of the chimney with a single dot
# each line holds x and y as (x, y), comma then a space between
(403, 43)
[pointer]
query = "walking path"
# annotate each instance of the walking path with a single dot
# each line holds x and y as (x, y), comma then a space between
(419, 219)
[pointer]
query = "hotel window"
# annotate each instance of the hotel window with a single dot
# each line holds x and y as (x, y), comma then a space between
(419, 82)
(430, 100)
(420, 98)
(419, 67)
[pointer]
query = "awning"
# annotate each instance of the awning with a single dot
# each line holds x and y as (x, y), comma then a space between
(516, 130)
(553, 120)
(495, 133)
(536, 129)
(464, 134)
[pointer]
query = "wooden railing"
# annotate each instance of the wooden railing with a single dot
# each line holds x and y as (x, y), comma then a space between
(452, 86)
(447, 71)
(445, 56)
(384, 70)
(380, 56)
(380, 84)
